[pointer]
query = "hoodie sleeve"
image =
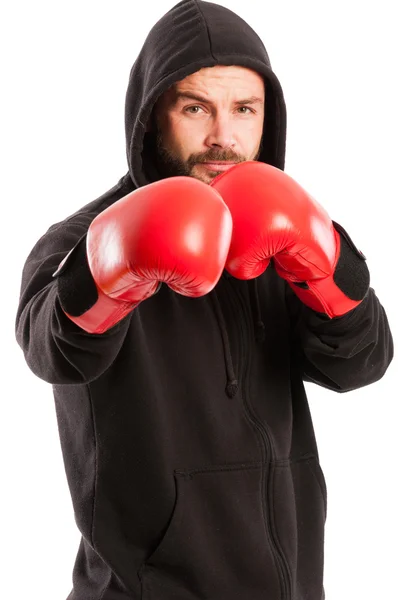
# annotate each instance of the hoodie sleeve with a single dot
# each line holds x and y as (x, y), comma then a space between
(55, 349)
(343, 353)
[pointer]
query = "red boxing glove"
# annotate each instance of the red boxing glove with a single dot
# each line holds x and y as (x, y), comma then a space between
(176, 230)
(274, 217)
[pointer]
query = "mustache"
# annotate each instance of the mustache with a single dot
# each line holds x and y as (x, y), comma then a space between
(217, 155)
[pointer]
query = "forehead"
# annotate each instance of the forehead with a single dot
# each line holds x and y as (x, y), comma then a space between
(223, 77)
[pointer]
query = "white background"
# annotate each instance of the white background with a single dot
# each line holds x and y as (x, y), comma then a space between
(65, 68)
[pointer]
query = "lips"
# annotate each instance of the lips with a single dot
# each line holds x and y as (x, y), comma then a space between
(218, 166)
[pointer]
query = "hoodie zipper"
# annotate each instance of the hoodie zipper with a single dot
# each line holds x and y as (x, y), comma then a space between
(279, 557)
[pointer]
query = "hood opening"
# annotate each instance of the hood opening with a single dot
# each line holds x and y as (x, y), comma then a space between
(192, 35)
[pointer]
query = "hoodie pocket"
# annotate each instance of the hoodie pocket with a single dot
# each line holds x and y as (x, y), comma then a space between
(299, 514)
(216, 546)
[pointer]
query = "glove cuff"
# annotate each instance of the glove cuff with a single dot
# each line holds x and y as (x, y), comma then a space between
(345, 288)
(82, 301)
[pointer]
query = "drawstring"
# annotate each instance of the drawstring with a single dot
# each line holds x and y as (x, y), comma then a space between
(259, 326)
(232, 382)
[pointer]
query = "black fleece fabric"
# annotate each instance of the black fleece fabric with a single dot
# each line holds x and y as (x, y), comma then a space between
(186, 433)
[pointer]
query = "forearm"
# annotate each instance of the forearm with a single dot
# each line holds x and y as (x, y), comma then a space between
(343, 353)
(55, 348)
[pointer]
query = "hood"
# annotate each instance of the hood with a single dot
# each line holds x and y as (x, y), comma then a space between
(192, 35)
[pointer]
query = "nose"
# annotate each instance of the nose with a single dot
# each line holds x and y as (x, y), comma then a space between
(220, 134)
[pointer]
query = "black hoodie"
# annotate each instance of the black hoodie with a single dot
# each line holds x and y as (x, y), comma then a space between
(186, 433)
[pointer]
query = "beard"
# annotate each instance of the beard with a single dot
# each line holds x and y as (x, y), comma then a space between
(170, 165)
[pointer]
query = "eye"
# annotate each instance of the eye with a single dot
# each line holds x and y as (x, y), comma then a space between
(246, 109)
(191, 109)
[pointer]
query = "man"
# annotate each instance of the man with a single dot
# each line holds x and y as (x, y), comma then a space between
(177, 317)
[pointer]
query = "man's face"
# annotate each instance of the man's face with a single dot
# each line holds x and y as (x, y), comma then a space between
(210, 120)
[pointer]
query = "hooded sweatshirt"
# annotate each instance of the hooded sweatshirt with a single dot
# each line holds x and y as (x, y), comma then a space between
(185, 429)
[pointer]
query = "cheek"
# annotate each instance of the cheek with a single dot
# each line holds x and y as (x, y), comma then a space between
(167, 127)
(184, 137)
(250, 137)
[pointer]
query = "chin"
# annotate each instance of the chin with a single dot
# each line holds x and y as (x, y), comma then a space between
(205, 177)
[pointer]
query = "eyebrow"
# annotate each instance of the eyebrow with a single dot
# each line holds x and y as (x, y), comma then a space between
(191, 96)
